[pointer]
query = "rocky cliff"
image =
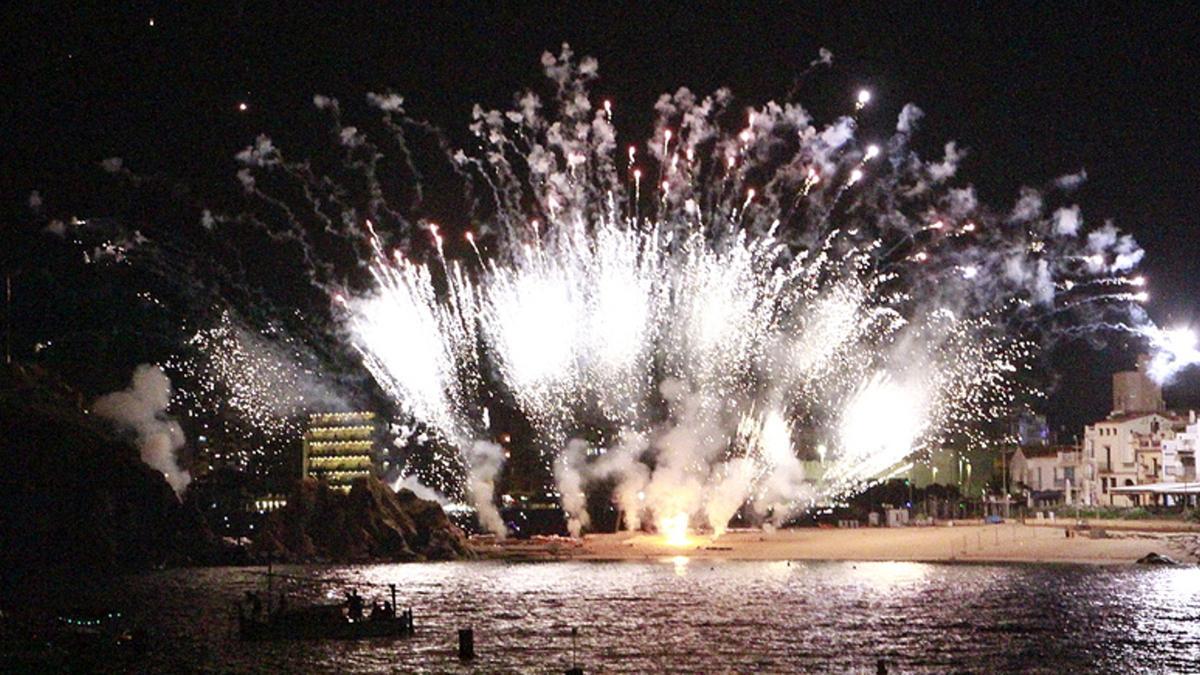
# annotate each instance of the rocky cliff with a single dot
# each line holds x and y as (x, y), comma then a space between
(371, 522)
(76, 499)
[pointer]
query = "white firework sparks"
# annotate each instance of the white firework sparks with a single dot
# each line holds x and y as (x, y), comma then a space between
(247, 380)
(769, 314)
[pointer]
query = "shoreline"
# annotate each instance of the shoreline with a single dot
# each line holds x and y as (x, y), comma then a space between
(966, 543)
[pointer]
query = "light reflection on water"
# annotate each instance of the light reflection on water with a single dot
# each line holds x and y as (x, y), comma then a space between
(703, 615)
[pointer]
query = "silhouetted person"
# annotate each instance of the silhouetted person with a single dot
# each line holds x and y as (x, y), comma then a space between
(354, 604)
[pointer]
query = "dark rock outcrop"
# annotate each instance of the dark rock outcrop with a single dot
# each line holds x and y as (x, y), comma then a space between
(370, 523)
(1156, 559)
(77, 500)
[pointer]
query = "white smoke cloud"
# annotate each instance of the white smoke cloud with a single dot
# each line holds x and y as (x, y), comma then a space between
(413, 484)
(824, 58)
(1108, 241)
(1028, 206)
(1067, 221)
(910, 116)
(570, 482)
(769, 441)
(960, 202)
(836, 135)
(1071, 181)
(589, 67)
(246, 179)
(1043, 284)
(35, 201)
(942, 171)
(350, 137)
(1129, 254)
(623, 462)
(484, 459)
(1034, 277)
(141, 408)
(262, 153)
(685, 449)
(386, 102)
(687, 481)
(1101, 239)
(56, 227)
(728, 488)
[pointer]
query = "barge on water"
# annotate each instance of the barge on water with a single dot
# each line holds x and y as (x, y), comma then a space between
(344, 621)
(323, 622)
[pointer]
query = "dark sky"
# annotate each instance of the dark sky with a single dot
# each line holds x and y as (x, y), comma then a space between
(1032, 90)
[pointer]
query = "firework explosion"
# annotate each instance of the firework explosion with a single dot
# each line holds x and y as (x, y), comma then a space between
(751, 309)
(701, 303)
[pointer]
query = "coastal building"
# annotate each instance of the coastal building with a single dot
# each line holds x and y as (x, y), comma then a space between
(340, 447)
(1179, 454)
(1049, 474)
(1125, 450)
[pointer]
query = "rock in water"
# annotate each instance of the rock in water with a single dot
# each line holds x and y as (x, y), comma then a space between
(370, 523)
(1156, 559)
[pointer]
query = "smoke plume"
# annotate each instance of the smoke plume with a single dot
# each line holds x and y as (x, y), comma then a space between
(141, 409)
(571, 485)
(484, 460)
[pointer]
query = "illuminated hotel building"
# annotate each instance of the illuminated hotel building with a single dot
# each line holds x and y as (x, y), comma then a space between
(339, 447)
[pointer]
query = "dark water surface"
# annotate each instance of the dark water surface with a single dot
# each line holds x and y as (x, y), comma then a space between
(698, 616)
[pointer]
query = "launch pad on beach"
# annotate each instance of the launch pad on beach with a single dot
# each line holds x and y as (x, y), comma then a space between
(958, 541)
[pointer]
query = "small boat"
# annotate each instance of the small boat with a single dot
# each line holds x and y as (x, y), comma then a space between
(323, 622)
(343, 621)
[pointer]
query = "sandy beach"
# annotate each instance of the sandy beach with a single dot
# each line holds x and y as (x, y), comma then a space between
(1009, 542)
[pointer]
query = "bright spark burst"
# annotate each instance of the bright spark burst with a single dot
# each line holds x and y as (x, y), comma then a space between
(1174, 349)
(674, 530)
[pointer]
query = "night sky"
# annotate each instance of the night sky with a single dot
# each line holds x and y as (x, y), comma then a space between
(1033, 91)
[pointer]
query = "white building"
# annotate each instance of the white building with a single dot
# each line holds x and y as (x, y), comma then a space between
(1179, 454)
(1125, 450)
(1050, 474)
